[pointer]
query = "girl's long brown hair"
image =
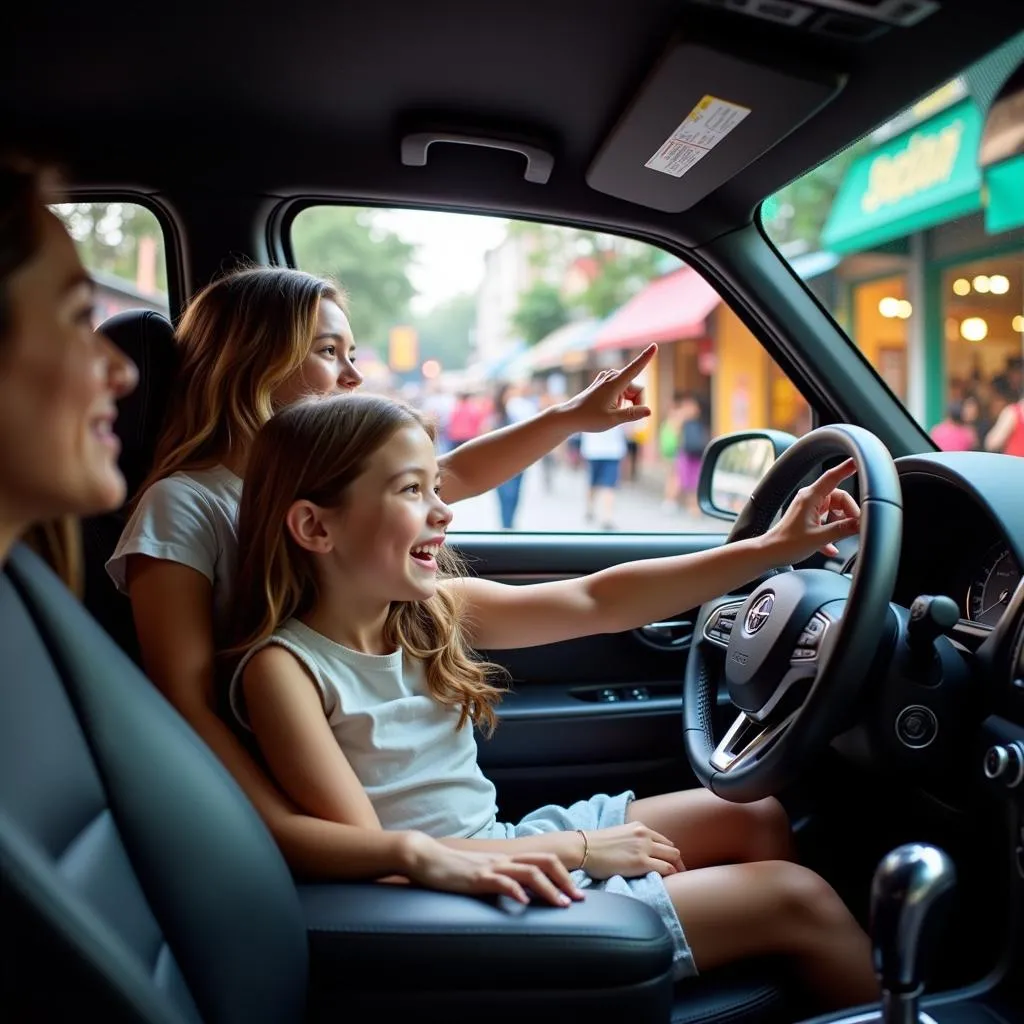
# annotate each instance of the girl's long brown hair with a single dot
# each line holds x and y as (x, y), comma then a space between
(240, 338)
(313, 451)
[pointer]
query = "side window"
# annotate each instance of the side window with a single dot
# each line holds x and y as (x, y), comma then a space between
(482, 321)
(122, 247)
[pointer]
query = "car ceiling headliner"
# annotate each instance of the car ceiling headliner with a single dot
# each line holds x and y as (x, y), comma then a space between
(312, 97)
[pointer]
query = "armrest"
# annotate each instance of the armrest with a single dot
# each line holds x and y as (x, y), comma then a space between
(442, 940)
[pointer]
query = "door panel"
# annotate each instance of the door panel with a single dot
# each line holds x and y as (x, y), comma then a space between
(595, 714)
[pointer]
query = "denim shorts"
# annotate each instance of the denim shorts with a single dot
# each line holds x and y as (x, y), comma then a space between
(604, 472)
(604, 811)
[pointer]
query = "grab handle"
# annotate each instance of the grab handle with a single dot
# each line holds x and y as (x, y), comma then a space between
(539, 162)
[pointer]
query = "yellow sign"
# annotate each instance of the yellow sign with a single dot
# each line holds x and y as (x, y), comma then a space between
(403, 349)
(927, 161)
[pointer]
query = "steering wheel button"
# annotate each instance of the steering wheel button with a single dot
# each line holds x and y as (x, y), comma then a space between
(804, 654)
(815, 626)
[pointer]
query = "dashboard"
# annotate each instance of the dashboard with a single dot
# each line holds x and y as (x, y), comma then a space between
(992, 585)
(963, 531)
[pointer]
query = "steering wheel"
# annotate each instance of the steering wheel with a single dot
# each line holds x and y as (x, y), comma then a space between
(795, 653)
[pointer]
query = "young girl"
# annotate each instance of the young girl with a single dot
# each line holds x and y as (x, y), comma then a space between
(359, 685)
(251, 343)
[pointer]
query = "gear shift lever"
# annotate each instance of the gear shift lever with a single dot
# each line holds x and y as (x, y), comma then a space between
(908, 883)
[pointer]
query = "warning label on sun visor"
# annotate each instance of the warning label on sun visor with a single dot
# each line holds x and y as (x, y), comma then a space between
(704, 128)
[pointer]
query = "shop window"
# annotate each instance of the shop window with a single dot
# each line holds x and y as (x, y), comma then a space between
(881, 312)
(449, 311)
(983, 339)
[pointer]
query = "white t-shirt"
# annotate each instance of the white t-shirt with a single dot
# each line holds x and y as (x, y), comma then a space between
(417, 769)
(190, 518)
(608, 444)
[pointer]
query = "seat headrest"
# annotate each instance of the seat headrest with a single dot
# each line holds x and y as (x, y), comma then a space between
(147, 338)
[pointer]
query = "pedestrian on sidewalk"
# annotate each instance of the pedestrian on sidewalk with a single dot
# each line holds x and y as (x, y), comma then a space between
(603, 454)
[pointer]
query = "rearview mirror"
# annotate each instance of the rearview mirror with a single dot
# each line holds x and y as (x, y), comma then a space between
(732, 466)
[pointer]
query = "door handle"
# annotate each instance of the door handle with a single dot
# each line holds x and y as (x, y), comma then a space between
(667, 635)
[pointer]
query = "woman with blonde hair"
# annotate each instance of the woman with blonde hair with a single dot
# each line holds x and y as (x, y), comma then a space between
(252, 343)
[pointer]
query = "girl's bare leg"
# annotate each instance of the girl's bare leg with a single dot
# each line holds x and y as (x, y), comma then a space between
(708, 830)
(737, 911)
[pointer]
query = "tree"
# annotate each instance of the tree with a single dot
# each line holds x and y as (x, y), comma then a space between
(540, 311)
(445, 332)
(618, 268)
(795, 215)
(370, 263)
(622, 270)
(108, 235)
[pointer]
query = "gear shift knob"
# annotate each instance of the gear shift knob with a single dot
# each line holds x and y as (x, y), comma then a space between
(908, 883)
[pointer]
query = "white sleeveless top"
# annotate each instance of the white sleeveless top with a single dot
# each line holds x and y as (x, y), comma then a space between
(417, 769)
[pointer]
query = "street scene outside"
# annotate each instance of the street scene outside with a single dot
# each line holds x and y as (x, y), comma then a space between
(915, 249)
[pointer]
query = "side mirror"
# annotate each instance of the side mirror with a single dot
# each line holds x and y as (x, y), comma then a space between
(732, 466)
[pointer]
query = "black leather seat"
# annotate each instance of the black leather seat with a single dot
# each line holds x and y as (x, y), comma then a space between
(604, 958)
(137, 883)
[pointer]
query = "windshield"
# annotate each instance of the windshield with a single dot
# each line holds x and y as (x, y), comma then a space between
(919, 256)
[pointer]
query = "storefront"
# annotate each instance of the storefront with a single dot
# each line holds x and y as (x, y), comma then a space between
(706, 350)
(932, 266)
(561, 360)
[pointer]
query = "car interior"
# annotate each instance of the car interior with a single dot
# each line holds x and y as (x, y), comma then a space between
(136, 881)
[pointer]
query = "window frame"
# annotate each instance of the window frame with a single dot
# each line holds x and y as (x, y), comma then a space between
(169, 226)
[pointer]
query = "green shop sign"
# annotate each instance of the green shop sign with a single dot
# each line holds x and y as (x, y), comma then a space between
(924, 177)
(1004, 183)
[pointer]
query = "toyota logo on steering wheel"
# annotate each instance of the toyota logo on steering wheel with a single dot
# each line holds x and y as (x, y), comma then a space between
(758, 614)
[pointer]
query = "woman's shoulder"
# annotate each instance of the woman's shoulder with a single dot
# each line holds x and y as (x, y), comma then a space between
(214, 487)
(187, 517)
(216, 480)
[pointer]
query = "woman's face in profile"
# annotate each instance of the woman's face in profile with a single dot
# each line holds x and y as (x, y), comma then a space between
(59, 381)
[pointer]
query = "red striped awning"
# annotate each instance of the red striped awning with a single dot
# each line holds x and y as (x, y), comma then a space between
(671, 307)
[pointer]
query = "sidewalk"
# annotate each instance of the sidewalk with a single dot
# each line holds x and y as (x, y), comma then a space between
(560, 508)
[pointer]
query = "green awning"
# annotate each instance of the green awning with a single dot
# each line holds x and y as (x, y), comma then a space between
(1004, 183)
(927, 176)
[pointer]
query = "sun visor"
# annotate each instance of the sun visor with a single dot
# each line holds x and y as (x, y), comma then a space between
(699, 119)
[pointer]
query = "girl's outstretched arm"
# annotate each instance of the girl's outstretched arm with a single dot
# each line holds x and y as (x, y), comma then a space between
(630, 595)
(489, 460)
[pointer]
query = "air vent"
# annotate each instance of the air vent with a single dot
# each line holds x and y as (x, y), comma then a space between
(782, 12)
(891, 12)
(789, 12)
(842, 26)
